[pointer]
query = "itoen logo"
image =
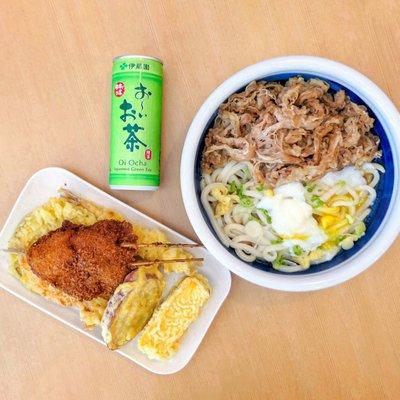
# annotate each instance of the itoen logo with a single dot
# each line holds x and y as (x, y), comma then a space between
(147, 154)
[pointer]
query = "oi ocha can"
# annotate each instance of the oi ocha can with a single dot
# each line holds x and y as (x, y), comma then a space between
(135, 137)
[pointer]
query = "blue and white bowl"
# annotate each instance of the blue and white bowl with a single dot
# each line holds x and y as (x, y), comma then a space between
(383, 223)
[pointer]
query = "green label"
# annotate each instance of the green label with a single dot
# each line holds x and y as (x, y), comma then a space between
(135, 140)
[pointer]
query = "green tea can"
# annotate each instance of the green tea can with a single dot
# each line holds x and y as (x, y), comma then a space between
(135, 136)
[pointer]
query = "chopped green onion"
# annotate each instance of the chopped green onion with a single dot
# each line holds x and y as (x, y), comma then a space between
(341, 183)
(277, 241)
(339, 239)
(266, 215)
(246, 201)
(254, 218)
(297, 250)
(232, 187)
(316, 201)
(359, 230)
(246, 173)
(349, 218)
(235, 188)
(310, 187)
(278, 262)
(260, 187)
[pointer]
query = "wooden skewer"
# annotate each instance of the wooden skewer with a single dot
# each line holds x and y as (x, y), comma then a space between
(13, 251)
(128, 245)
(145, 263)
(68, 195)
(159, 244)
(136, 263)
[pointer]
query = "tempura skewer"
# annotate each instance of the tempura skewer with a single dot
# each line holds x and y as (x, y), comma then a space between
(88, 261)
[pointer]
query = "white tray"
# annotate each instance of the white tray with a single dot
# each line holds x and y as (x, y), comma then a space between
(43, 185)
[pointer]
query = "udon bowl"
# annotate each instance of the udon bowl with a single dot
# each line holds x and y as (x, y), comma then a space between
(383, 223)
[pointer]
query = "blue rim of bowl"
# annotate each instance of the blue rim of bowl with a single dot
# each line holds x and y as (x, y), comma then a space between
(384, 188)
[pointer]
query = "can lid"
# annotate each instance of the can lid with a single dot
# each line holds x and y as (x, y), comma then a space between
(137, 56)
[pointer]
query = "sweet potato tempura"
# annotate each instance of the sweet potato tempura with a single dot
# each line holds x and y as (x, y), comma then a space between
(84, 261)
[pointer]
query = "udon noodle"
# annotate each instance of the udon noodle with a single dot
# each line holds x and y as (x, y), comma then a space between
(232, 199)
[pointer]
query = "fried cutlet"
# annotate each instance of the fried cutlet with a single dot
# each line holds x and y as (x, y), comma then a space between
(84, 261)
